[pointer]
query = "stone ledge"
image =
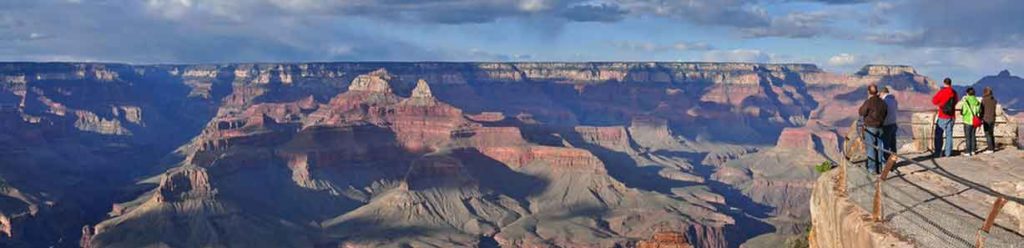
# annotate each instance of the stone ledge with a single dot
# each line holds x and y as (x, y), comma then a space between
(838, 222)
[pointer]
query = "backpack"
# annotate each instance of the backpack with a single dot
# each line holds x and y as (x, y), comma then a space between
(949, 108)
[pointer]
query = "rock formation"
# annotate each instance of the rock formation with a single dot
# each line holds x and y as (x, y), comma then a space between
(665, 239)
(371, 150)
(518, 154)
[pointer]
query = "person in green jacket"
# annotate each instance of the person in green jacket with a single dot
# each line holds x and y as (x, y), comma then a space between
(969, 107)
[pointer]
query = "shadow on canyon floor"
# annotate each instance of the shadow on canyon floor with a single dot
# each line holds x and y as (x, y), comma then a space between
(746, 212)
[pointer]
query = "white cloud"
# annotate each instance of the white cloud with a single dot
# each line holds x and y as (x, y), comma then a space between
(843, 59)
(1008, 59)
(738, 55)
(686, 46)
(533, 5)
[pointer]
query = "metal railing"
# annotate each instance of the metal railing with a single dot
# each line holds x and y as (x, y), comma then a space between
(893, 158)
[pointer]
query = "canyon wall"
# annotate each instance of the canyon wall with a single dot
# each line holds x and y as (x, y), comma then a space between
(536, 148)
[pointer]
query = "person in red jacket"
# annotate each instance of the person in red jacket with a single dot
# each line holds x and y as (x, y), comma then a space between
(945, 100)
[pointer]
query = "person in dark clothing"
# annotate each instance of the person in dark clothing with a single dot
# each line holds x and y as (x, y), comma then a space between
(944, 100)
(988, 117)
(889, 127)
(873, 111)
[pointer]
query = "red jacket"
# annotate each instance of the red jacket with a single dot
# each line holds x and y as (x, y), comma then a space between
(941, 97)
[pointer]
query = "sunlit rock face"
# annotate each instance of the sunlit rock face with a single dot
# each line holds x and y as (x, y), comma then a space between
(665, 239)
(518, 154)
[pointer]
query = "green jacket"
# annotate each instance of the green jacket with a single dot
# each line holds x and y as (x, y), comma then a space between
(970, 107)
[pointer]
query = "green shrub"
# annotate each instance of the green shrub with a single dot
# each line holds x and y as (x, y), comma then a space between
(824, 166)
(799, 241)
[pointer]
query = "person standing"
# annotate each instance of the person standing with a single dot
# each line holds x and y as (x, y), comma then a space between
(988, 116)
(969, 108)
(873, 111)
(889, 127)
(945, 100)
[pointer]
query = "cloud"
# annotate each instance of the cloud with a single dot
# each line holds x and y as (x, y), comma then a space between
(123, 31)
(896, 37)
(288, 30)
(843, 59)
(595, 13)
(948, 37)
(653, 47)
(792, 25)
(950, 23)
(880, 14)
(686, 46)
(730, 13)
(836, 1)
(738, 55)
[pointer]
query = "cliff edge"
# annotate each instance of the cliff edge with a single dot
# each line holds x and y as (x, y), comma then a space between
(837, 222)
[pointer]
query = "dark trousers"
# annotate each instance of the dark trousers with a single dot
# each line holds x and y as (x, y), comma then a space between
(989, 135)
(889, 136)
(972, 139)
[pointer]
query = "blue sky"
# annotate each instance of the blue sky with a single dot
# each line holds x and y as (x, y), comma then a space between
(960, 39)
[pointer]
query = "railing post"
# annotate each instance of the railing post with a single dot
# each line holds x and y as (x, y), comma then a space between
(991, 220)
(876, 213)
(843, 163)
(891, 162)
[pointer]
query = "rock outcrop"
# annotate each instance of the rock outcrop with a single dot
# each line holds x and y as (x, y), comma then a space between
(886, 70)
(837, 222)
(665, 239)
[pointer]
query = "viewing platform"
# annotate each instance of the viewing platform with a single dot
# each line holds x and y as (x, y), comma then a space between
(941, 204)
(957, 201)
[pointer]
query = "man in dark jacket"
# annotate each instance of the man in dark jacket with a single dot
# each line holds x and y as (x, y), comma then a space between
(988, 117)
(945, 100)
(873, 111)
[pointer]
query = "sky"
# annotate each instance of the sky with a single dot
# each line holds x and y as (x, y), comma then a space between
(961, 39)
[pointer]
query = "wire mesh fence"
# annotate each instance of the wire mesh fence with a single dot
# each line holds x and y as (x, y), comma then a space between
(948, 215)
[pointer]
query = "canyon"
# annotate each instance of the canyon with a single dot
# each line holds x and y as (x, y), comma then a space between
(422, 154)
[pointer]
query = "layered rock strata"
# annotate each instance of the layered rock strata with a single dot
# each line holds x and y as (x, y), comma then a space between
(332, 137)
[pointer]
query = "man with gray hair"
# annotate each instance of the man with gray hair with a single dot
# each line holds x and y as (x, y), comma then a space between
(889, 127)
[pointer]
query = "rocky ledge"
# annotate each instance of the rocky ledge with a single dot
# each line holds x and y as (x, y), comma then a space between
(838, 222)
